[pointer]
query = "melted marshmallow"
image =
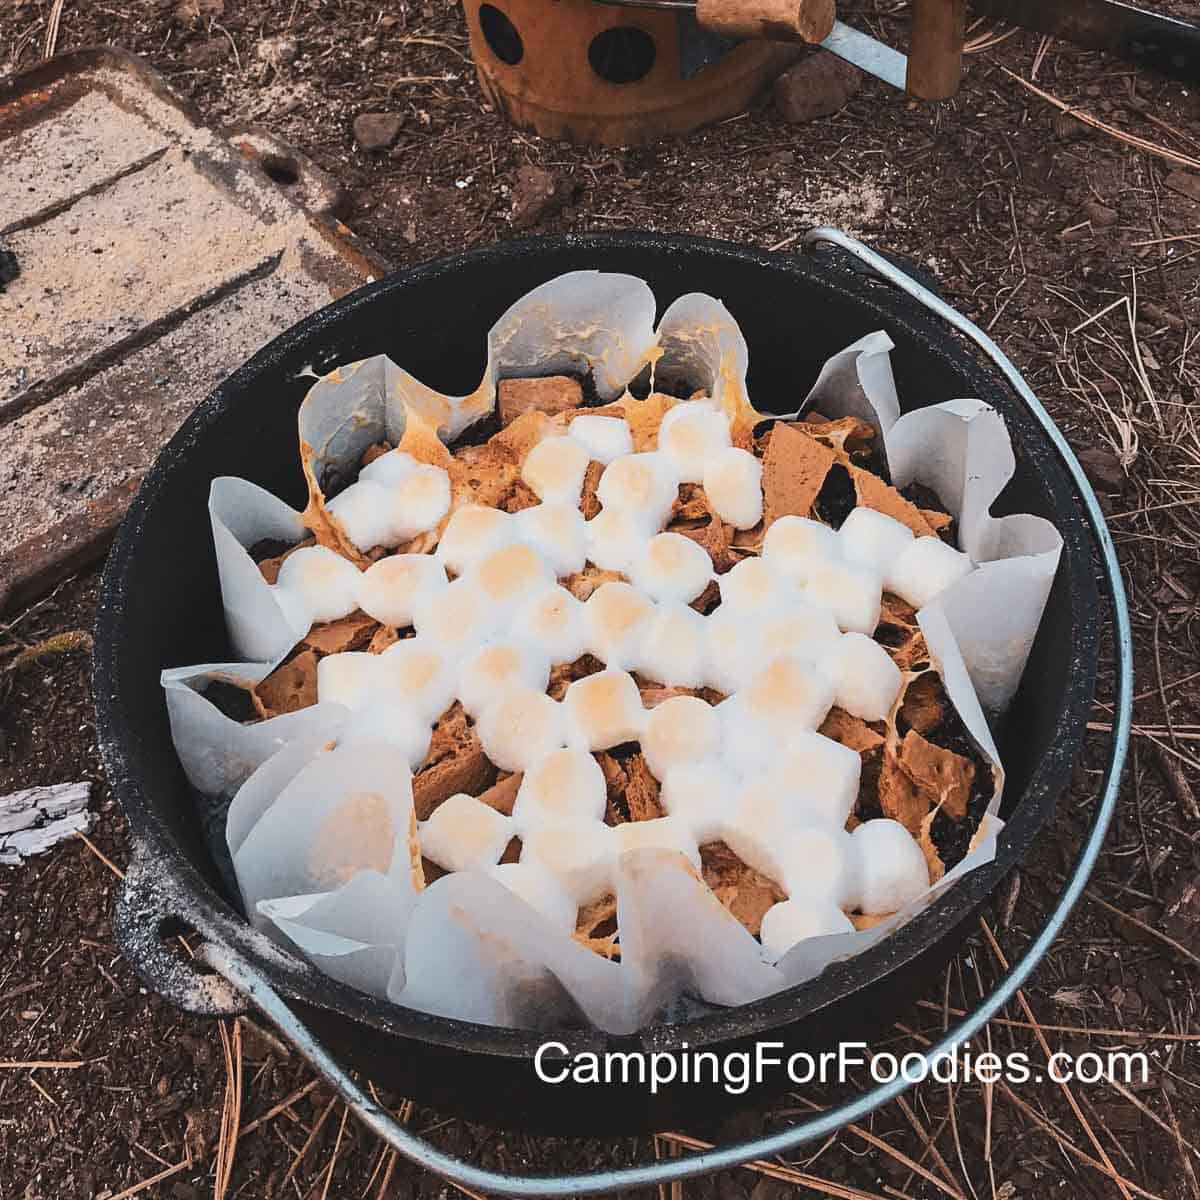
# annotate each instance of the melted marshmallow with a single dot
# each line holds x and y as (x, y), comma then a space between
(795, 545)
(558, 533)
(616, 537)
(499, 665)
(604, 438)
(671, 567)
(616, 616)
(553, 620)
(866, 681)
(603, 710)
(733, 485)
(690, 435)
(457, 618)
(701, 794)
(319, 582)
(472, 533)
(674, 649)
(519, 728)
(679, 731)
(391, 589)
(564, 788)
(640, 483)
(554, 470)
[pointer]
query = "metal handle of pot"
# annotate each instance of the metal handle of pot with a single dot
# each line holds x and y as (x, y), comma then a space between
(249, 981)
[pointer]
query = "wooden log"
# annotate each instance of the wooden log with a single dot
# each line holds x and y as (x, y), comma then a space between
(768, 20)
(936, 50)
(33, 820)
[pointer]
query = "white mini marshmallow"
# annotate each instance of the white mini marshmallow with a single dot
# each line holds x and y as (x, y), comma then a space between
(558, 533)
(866, 681)
(822, 775)
(753, 588)
(391, 588)
(519, 728)
(616, 616)
(924, 570)
(762, 812)
(733, 654)
(690, 435)
(564, 787)
(674, 647)
(664, 833)
(421, 501)
(552, 620)
(873, 539)
(603, 710)
(582, 857)
(540, 890)
(348, 678)
(366, 511)
(679, 731)
(820, 864)
(795, 545)
(803, 630)
(604, 438)
(640, 483)
(616, 537)
(671, 567)
(380, 710)
(554, 470)
(323, 584)
(420, 674)
(733, 485)
(464, 834)
(457, 618)
(701, 794)
(891, 868)
(472, 533)
(496, 666)
(509, 576)
(783, 925)
(389, 469)
(853, 594)
(385, 720)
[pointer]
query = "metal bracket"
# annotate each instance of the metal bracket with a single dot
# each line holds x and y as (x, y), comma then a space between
(251, 983)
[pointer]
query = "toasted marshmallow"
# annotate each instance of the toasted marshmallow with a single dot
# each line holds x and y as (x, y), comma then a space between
(922, 571)
(322, 584)
(891, 868)
(582, 857)
(603, 710)
(690, 435)
(873, 539)
(390, 589)
(822, 775)
(604, 438)
(803, 630)
(496, 666)
(554, 470)
(865, 679)
(419, 674)
(389, 469)
(553, 620)
(349, 678)
(679, 731)
(664, 833)
(616, 616)
(732, 651)
(558, 533)
(754, 589)
(853, 595)
(819, 863)
(379, 710)
(640, 483)
(786, 924)
(733, 485)
(421, 501)
(674, 647)
(464, 834)
(795, 545)
(509, 576)
(519, 728)
(564, 787)
(671, 567)
(457, 618)
(367, 513)
(472, 533)
(787, 696)
(540, 890)
(616, 537)
(702, 795)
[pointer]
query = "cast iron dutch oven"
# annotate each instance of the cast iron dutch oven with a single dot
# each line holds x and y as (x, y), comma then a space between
(160, 607)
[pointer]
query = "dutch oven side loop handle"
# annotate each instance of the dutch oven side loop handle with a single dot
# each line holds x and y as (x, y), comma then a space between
(146, 910)
(254, 986)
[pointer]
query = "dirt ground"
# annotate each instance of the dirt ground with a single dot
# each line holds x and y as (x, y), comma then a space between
(1033, 224)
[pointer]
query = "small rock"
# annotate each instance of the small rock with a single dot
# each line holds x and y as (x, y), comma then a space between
(537, 194)
(1185, 183)
(1103, 467)
(277, 51)
(1100, 215)
(378, 130)
(818, 85)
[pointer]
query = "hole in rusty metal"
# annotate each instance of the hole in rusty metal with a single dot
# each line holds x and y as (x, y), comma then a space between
(501, 35)
(280, 169)
(623, 54)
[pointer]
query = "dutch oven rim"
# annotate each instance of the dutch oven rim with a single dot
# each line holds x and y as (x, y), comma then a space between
(177, 884)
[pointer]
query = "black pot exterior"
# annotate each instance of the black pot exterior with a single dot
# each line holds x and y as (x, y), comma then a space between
(160, 606)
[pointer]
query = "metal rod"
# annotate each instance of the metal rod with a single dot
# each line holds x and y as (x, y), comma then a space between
(249, 980)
